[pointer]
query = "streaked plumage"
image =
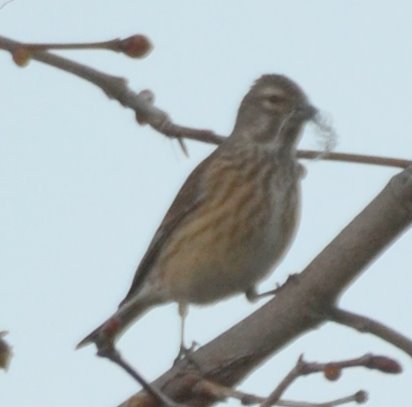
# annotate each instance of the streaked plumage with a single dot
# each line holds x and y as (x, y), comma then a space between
(234, 217)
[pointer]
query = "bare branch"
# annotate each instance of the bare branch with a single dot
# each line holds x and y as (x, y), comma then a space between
(359, 397)
(331, 370)
(142, 103)
(302, 304)
(219, 392)
(116, 88)
(365, 324)
(114, 356)
(355, 158)
(297, 371)
(135, 46)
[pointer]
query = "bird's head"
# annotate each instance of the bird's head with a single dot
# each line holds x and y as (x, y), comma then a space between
(273, 111)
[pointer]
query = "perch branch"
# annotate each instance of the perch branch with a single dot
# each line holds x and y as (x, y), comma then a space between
(300, 306)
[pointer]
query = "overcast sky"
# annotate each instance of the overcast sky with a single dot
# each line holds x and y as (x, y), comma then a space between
(83, 187)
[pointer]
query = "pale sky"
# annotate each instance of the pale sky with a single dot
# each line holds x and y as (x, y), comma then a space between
(83, 187)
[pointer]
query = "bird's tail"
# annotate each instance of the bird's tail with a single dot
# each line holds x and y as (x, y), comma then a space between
(108, 332)
(93, 337)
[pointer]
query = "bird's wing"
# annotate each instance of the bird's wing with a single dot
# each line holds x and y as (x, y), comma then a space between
(187, 200)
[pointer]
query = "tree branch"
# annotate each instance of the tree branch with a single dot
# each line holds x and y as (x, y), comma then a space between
(114, 356)
(135, 46)
(142, 103)
(331, 370)
(220, 392)
(365, 324)
(116, 88)
(301, 305)
(355, 158)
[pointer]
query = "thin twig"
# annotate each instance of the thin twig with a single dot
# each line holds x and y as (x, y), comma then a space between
(135, 46)
(365, 324)
(116, 88)
(331, 370)
(355, 158)
(359, 397)
(113, 355)
(297, 371)
(219, 392)
(6, 3)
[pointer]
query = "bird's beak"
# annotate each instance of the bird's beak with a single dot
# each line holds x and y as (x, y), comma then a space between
(306, 111)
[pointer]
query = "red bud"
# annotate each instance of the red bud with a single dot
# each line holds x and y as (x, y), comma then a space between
(21, 56)
(136, 46)
(332, 372)
(384, 364)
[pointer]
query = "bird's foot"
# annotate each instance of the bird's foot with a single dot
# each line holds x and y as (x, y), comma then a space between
(187, 354)
(253, 296)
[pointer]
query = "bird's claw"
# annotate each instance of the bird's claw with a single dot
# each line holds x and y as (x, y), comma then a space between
(187, 354)
(253, 296)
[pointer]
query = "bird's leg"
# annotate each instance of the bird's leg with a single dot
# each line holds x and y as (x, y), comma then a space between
(183, 311)
(185, 352)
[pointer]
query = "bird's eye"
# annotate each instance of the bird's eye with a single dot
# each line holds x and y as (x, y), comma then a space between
(274, 99)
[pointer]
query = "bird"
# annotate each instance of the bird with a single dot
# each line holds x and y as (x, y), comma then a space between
(233, 219)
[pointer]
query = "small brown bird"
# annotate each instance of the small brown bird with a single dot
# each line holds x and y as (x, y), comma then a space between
(234, 217)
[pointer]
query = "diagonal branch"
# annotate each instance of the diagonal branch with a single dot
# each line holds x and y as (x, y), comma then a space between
(114, 356)
(146, 112)
(365, 324)
(302, 303)
(116, 88)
